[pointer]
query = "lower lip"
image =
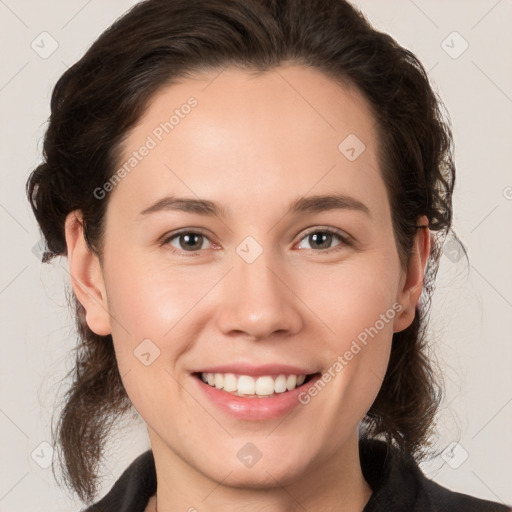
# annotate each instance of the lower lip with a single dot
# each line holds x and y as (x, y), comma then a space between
(254, 408)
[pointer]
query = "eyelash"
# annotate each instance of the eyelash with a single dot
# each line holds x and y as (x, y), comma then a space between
(345, 241)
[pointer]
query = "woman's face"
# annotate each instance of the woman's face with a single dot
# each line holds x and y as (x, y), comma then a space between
(208, 266)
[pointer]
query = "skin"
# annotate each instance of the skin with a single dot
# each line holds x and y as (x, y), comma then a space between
(253, 144)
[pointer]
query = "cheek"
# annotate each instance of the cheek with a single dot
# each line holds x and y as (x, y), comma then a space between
(156, 303)
(357, 357)
(148, 309)
(357, 305)
(151, 299)
(354, 296)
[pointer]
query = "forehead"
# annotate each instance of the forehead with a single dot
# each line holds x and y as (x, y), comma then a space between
(248, 99)
(236, 132)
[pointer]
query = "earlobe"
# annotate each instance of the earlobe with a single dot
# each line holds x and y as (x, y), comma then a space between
(411, 284)
(86, 276)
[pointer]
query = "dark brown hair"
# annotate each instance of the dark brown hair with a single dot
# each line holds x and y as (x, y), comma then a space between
(99, 99)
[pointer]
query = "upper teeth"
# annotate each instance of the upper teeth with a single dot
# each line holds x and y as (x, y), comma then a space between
(247, 385)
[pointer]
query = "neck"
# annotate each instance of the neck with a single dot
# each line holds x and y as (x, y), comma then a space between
(331, 483)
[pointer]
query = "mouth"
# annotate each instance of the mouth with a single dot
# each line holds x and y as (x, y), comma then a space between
(263, 386)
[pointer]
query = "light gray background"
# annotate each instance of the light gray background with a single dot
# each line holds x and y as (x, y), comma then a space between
(472, 317)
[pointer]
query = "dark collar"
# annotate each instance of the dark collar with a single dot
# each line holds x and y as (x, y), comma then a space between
(397, 483)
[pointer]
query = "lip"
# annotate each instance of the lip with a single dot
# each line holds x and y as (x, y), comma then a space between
(254, 408)
(272, 370)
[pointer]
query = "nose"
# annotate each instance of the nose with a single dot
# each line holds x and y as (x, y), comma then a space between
(258, 300)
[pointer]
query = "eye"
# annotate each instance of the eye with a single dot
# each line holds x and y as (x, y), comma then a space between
(186, 241)
(322, 238)
(319, 240)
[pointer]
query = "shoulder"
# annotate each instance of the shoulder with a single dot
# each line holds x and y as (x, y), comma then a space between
(444, 499)
(399, 485)
(133, 490)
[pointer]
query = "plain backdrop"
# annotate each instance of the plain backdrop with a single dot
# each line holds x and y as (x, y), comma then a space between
(466, 48)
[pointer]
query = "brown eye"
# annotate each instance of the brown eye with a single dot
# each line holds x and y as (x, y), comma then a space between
(321, 240)
(187, 241)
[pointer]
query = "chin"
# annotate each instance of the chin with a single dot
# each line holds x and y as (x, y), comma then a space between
(266, 477)
(264, 473)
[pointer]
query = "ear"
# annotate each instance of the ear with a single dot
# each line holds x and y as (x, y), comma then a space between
(411, 283)
(86, 276)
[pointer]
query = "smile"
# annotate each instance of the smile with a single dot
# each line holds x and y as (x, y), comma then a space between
(250, 404)
(247, 386)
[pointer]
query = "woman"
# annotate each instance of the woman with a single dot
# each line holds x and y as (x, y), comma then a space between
(252, 197)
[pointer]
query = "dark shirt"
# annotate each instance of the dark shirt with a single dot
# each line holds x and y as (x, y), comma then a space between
(397, 482)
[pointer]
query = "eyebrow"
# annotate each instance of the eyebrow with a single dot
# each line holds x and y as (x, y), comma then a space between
(311, 204)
